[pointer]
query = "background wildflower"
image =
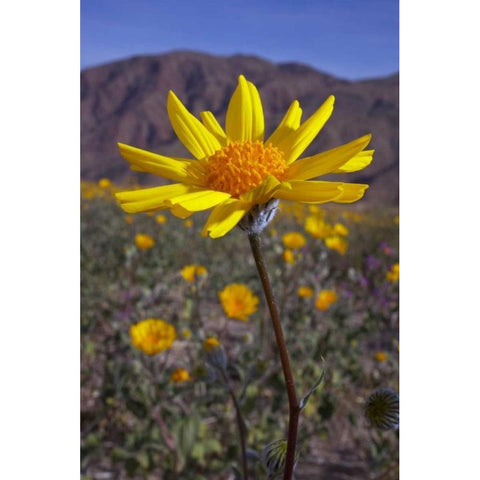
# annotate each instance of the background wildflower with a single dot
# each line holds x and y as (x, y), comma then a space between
(161, 219)
(238, 301)
(187, 333)
(337, 243)
(144, 241)
(386, 249)
(215, 354)
(305, 292)
(394, 273)
(104, 183)
(317, 227)
(316, 210)
(211, 343)
(288, 256)
(152, 336)
(190, 272)
(381, 356)
(340, 229)
(293, 240)
(180, 375)
(372, 263)
(325, 298)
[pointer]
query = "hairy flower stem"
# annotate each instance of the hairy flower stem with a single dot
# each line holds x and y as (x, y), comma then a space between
(240, 423)
(293, 403)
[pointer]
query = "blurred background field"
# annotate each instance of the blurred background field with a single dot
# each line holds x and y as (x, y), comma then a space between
(140, 420)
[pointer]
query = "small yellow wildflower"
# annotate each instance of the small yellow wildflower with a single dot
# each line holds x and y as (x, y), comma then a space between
(152, 336)
(104, 183)
(381, 356)
(144, 241)
(180, 375)
(190, 272)
(211, 343)
(317, 227)
(325, 298)
(305, 292)
(161, 219)
(293, 240)
(316, 209)
(288, 256)
(396, 220)
(187, 333)
(238, 301)
(188, 223)
(341, 229)
(129, 219)
(394, 273)
(337, 243)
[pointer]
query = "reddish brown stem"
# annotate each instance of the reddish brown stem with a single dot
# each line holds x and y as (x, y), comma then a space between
(294, 409)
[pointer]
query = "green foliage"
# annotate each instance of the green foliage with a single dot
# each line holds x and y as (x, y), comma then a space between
(137, 423)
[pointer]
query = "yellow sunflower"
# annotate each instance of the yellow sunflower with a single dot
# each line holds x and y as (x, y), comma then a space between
(238, 301)
(152, 336)
(236, 168)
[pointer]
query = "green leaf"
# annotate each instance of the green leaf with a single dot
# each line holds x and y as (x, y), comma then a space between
(304, 399)
(186, 434)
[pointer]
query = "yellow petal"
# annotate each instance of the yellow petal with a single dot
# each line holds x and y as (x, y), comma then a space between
(180, 212)
(351, 192)
(191, 132)
(212, 125)
(309, 192)
(258, 121)
(358, 162)
(290, 122)
(224, 217)
(148, 199)
(178, 169)
(326, 162)
(295, 143)
(244, 119)
(263, 192)
(200, 200)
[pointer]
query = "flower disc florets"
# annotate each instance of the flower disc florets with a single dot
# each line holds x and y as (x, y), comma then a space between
(241, 166)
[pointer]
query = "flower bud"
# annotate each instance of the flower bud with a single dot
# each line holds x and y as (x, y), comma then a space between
(382, 409)
(216, 356)
(273, 458)
(259, 217)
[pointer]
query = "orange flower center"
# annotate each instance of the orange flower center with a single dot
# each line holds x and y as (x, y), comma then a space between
(241, 166)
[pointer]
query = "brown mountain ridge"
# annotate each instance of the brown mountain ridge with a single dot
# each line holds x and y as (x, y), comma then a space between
(125, 101)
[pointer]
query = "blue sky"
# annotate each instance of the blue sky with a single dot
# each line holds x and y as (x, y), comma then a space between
(348, 38)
